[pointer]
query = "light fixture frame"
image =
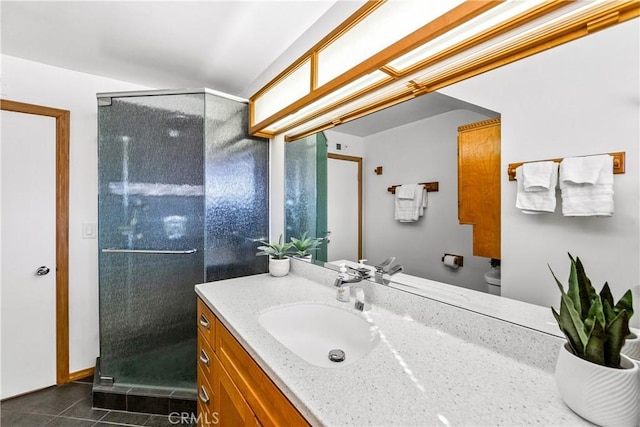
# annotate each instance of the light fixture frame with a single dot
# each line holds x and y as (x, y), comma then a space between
(401, 85)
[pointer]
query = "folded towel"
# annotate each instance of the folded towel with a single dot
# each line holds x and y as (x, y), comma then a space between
(410, 209)
(535, 202)
(406, 191)
(589, 198)
(585, 170)
(537, 176)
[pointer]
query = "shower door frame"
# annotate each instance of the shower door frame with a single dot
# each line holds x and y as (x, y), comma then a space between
(63, 120)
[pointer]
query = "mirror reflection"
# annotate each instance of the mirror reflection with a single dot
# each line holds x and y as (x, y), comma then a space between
(578, 99)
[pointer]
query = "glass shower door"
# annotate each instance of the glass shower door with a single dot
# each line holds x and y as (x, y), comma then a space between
(151, 236)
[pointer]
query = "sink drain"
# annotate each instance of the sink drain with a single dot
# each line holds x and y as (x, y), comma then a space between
(336, 355)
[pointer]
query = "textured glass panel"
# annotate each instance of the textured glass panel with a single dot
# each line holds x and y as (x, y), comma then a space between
(306, 189)
(151, 197)
(237, 192)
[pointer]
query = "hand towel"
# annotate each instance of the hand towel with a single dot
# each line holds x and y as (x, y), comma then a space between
(536, 202)
(581, 194)
(410, 209)
(584, 170)
(537, 176)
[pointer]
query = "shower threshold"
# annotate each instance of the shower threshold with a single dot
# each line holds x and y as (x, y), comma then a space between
(149, 400)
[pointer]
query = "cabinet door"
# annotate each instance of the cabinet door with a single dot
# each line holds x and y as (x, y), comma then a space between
(479, 184)
(229, 406)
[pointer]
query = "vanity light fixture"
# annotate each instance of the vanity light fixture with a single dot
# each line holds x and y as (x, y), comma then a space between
(469, 38)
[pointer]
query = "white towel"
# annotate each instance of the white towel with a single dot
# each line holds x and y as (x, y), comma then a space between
(537, 176)
(410, 209)
(582, 195)
(584, 170)
(536, 202)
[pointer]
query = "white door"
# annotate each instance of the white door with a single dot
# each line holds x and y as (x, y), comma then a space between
(342, 209)
(27, 154)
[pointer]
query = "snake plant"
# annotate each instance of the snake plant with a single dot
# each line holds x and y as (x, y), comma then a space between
(595, 327)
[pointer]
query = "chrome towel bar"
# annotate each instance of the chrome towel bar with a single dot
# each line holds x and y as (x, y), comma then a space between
(149, 251)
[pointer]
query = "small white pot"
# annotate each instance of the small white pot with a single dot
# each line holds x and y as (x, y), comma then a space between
(279, 267)
(631, 347)
(306, 258)
(605, 396)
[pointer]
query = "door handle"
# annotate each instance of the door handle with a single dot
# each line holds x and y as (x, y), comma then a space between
(42, 271)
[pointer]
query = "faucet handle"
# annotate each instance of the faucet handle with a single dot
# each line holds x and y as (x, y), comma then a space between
(361, 304)
(384, 265)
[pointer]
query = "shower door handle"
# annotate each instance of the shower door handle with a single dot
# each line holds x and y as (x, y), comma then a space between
(203, 395)
(149, 251)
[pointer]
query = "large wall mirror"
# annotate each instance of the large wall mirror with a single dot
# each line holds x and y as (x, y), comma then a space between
(581, 98)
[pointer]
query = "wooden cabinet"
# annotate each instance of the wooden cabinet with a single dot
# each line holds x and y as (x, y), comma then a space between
(232, 389)
(479, 184)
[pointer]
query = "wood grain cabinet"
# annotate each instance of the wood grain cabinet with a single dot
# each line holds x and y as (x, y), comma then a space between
(232, 389)
(479, 184)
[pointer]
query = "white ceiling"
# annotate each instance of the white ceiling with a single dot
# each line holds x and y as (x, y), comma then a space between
(222, 45)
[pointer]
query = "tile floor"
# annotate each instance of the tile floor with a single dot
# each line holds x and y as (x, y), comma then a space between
(69, 405)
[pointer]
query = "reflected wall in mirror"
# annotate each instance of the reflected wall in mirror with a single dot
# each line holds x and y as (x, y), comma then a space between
(577, 99)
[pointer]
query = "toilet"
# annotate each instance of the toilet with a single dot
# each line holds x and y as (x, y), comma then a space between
(492, 277)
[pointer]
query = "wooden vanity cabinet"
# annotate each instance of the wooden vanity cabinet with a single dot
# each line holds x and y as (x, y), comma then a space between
(232, 389)
(479, 184)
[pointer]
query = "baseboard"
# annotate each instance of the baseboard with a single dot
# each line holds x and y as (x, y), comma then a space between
(78, 375)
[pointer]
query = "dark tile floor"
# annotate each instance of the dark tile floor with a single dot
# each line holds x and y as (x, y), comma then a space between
(69, 405)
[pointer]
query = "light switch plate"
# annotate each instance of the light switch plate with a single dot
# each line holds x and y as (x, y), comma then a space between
(89, 230)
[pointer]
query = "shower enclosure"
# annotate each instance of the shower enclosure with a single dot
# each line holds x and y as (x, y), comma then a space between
(183, 199)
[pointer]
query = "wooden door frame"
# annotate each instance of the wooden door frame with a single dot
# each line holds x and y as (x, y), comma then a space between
(62, 118)
(358, 160)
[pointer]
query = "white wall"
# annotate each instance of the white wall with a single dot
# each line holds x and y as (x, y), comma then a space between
(351, 145)
(577, 99)
(423, 151)
(41, 84)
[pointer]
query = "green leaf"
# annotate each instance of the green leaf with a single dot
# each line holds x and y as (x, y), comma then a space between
(609, 313)
(616, 333)
(606, 295)
(574, 290)
(560, 286)
(594, 349)
(569, 340)
(625, 303)
(572, 326)
(585, 289)
(596, 312)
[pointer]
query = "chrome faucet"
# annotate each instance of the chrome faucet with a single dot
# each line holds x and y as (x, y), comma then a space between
(360, 304)
(384, 268)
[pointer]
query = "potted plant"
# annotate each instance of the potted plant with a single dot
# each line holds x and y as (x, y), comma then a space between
(278, 256)
(303, 246)
(594, 379)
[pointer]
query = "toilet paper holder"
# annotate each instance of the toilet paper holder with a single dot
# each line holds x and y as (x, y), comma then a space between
(458, 259)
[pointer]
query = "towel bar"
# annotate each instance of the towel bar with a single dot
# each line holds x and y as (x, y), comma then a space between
(430, 186)
(618, 164)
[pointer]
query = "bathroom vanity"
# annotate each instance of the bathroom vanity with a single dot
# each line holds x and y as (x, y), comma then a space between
(429, 363)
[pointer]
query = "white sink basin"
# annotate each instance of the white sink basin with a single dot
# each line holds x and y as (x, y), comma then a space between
(312, 330)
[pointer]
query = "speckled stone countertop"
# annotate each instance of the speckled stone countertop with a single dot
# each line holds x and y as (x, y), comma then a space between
(418, 374)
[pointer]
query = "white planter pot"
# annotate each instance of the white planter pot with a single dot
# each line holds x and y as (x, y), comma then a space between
(602, 395)
(306, 258)
(631, 347)
(279, 267)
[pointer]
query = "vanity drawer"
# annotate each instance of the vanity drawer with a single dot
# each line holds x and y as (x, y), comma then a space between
(205, 395)
(206, 323)
(265, 399)
(205, 356)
